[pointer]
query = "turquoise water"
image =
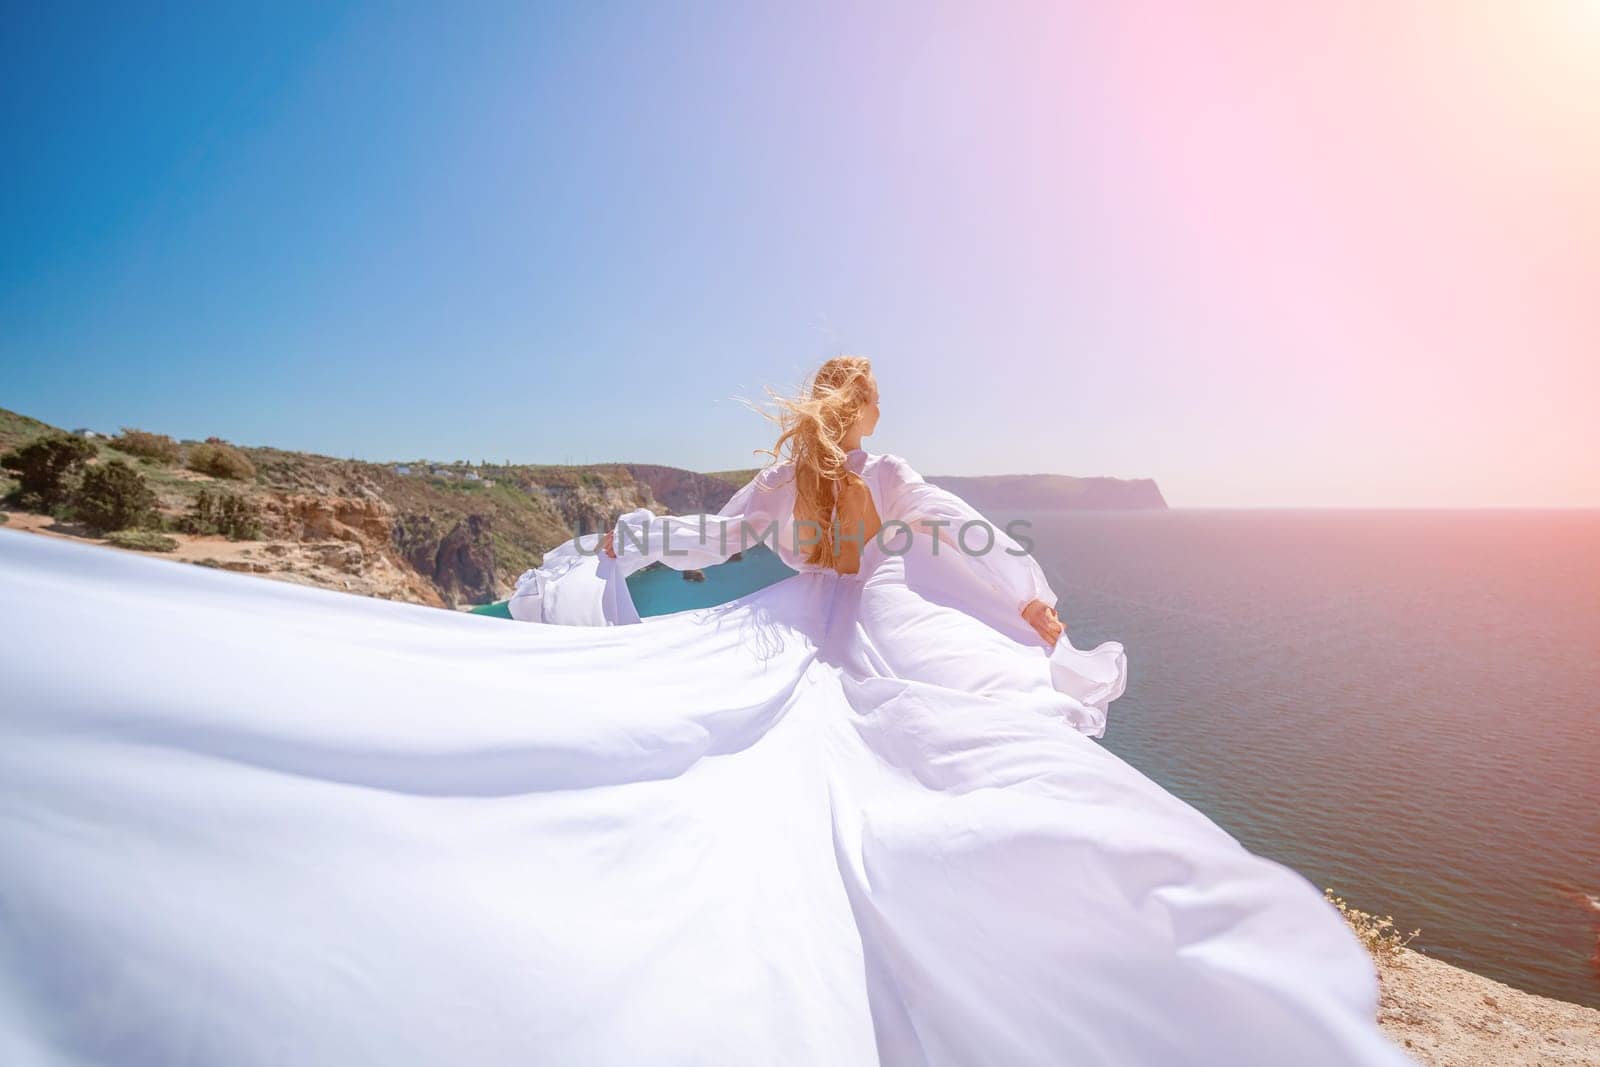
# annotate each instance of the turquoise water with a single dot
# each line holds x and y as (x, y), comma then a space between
(662, 590)
(1403, 706)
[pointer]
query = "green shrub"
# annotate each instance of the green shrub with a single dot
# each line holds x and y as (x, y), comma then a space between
(46, 468)
(228, 514)
(221, 460)
(143, 540)
(156, 446)
(114, 496)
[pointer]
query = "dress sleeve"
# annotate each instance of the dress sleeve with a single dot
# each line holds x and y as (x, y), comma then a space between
(1006, 567)
(686, 542)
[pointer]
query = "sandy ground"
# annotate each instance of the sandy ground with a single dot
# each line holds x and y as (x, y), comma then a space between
(1447, 1017)
(191, 549)
(40, 524)
(324, 565)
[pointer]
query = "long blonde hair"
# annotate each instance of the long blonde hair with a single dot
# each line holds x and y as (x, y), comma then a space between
(812, 425)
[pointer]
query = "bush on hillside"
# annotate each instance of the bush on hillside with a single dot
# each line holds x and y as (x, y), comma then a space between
(114, 496)
(46, 469)
(143, 540)
(221, 460)
(228, 514)
(1378, 934)
(145, 445)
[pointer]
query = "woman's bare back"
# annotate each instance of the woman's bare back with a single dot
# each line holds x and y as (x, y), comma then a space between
(858, 523)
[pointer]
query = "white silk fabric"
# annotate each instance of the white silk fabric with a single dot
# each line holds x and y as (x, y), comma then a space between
(842, 820)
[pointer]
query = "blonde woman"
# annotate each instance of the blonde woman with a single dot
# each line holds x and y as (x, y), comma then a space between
(855, 817)
(820, 502)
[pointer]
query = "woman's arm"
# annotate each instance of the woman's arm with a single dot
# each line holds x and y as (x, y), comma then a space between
(1008, 569)
(686, 542)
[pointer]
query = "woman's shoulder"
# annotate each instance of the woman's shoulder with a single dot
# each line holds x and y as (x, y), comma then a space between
(774, 475)
(892, 462)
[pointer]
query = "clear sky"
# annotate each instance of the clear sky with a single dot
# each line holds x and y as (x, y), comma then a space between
(1267, 253)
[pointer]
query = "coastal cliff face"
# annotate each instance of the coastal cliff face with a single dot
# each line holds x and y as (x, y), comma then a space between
(455, 534)
(676, 491)
(458, 559)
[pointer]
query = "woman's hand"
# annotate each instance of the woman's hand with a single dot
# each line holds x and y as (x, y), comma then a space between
(1044, 620)
(608, 546)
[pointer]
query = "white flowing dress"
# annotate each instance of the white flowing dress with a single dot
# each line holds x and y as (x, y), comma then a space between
(845, 819)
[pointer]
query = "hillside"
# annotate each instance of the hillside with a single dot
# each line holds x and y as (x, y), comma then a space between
(453, 534)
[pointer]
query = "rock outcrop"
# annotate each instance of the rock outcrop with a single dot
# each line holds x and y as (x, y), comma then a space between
(309, 517)
(458, 559)
(679, 492)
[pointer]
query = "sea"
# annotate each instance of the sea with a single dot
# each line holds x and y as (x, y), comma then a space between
(1403, 706)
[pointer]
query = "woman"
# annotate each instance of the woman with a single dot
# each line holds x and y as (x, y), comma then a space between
(854, 817)
(818, 511)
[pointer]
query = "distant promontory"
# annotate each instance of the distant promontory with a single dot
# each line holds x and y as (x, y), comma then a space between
(1050, 492)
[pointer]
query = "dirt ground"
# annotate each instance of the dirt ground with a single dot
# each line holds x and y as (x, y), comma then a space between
(1447, 1017)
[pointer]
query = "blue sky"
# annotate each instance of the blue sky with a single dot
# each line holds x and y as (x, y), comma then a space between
(573, 233)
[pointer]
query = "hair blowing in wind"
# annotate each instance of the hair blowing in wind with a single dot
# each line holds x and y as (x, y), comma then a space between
(812, 425)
